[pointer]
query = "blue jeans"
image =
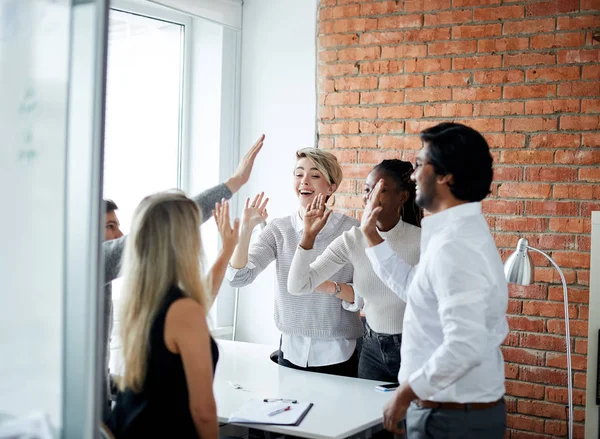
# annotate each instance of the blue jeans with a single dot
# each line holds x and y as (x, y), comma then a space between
(379, 356)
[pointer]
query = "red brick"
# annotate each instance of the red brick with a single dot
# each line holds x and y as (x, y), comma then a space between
(326, 85)
(549, 274)
(402, 142)
(528, 26)
(326, 113)
(416, 126)
(578, 328)
(502, 206)
(428, 95)
(578, 22)
(357, 171)
(591, 72)
(427, 35)
(581, 346)
(569, 225)
(400, 21)
(522, 323)
(584, 243)
(550, 174)
(521, 224)
(386, 7)
(356, 142)
(551, 7)
(498, 109)
(452, 47)
(383, 67)
(339, 12)
(580, 123)
(326, 142)
(553, 208)
(382, 97)
(589, 174)
(326, 27)
(401, 112)
(547, 309)
(447, 79)
(355, 113)
(529, 91)
(371, 38)
(404, 51)
(349, 202)
(553, 74)
(426, 5)
(448, 110)
(512, 339)
(331, 70)
(548, 241)
(584, 89)
(338, 128)
(460, 3)
(344, 98)
(476, 31)
(502, 44)
(356, 83)
(590, 5)
(327, 55)
(571, 259)
(401, 81)
(532, 124)
(579, 380)
(590, 105)
(381, 127)
(575, 295)
(534, 156)
(511, 371)
(499, 76)
(345, 156)
(552, 106)
(376, 156)
(578, 157)
(542, 375)
(508, 173)
(590, 139)
(477, 93)
(506, 140)
(524, 190)
(329, 41)
(499, 13)
(578, 362)
(584, 312)
(358, 54)
(477, 62)
(553, 41)
(354, 25)
(448, 17)
(548, 140)
(578, 56)
(519, 422)
(536, 291)
(529, 59)
(427, 65)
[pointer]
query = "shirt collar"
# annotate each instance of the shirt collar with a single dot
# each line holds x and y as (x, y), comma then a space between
(439, 220)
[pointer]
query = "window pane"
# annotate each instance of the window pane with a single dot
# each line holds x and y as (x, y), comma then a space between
(143, 110)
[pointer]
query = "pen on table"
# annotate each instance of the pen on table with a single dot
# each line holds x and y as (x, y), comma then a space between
(281, 410)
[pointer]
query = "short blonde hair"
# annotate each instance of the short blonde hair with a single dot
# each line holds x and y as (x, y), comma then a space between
(325, 162)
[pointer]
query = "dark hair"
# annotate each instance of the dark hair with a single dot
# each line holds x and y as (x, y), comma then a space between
(400, 172)
(110, 206)
(461, 151)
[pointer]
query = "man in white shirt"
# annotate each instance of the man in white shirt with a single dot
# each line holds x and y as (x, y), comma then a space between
(452, 370)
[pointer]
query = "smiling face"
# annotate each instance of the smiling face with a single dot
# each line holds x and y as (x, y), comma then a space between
(425, 179)
(310, 182)
(391, 198)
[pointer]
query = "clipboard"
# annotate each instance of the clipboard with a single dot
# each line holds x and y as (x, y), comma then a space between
(257, 411)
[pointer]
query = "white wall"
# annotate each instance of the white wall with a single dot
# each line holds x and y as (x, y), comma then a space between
(278, 98)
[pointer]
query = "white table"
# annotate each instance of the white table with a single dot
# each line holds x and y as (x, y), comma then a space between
(343, 407)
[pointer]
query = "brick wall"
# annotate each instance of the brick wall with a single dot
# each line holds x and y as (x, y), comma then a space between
(526, 75)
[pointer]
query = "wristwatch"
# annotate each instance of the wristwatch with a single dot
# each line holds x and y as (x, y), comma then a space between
(338, 289)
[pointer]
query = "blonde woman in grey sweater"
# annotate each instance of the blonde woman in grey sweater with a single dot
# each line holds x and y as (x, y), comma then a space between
(320, 329)
(399, 223)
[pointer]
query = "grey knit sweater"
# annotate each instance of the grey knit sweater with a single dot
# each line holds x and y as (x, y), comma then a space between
(113, 254)
(315, 315)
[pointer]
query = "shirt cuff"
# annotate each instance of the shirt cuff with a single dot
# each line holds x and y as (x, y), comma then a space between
(231, 272)
(419, 384)
(358, 304)
(380, 252)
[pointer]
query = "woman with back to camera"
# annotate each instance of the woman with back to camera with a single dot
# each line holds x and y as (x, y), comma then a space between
(399, 223)
(169, 355)
(319, 331)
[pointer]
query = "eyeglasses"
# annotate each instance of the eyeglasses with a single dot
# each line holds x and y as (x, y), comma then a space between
(289, 401)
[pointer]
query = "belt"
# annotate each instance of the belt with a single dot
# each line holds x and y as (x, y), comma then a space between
(458, 405)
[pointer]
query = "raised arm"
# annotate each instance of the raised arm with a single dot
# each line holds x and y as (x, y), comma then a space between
(229, 239)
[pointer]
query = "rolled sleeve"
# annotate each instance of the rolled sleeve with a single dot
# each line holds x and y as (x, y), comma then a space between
(391, 268)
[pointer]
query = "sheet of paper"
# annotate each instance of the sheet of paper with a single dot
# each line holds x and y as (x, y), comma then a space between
(257, 411)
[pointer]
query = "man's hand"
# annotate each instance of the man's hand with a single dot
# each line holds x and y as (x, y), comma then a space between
(395, 410)
(242, 174)
(368, 223)
(315, 219)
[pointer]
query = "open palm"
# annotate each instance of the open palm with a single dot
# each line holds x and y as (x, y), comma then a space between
(256, 212)
(315, 216)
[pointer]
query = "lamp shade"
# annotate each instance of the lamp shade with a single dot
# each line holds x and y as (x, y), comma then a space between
(518, 268)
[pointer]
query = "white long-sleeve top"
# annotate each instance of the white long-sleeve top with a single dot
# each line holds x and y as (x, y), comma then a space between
(383, 309)
(455, 318)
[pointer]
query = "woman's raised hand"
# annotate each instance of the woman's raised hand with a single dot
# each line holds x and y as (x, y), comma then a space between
(315, 216)
(256, 212)
(229, 235)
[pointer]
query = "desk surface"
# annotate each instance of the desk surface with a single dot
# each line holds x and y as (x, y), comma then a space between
(342, 406)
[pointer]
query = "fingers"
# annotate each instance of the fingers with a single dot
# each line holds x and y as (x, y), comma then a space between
(256, 148)
(255, 200)
(226, 213)
(263, 205)
(247, 203)
(236, 226)
(329, 212)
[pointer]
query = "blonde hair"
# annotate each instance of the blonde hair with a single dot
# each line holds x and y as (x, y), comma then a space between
(163, 249)
(325, 162)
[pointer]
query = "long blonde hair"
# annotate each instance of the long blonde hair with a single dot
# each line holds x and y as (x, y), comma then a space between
(163, 249)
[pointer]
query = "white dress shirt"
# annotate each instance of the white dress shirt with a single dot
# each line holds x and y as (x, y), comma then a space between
(456, 302)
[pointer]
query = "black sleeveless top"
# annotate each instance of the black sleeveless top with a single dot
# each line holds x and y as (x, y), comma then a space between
(162, 408)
